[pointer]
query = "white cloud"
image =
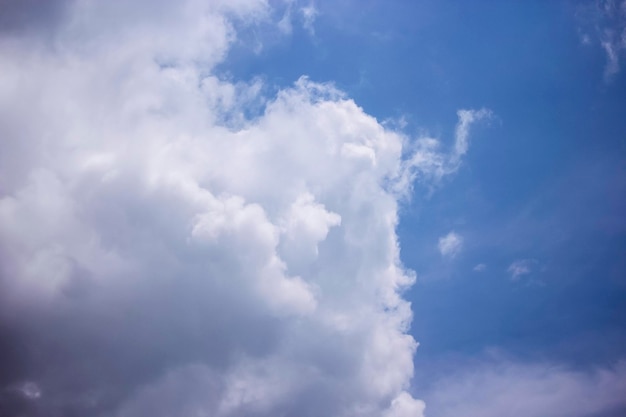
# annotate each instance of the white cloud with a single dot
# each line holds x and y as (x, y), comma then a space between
(466, 119)
(450, 245)
(163, 253)
(612, 60)
(480, 267)
(309, 14)
(404, 405)
(520, 267)
(498, 388)
(604, 23)
(427, 164)
(305, 15)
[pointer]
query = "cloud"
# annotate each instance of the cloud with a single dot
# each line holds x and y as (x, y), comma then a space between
(309, 14)
(604, 23)
(479, 268)
(502, 387)
(306, 15)
(612, 59)
(172, 243)
(466, 119)
(31, 15)
(404, 405)
(521, 267)
(450, 245)
(426, 164)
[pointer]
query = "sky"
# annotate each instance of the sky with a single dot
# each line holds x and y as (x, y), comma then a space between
(312, 208)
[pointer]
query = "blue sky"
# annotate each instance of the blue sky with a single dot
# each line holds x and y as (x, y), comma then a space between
(189, 225)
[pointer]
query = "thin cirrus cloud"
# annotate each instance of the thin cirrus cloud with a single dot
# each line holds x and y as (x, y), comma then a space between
(161, 253)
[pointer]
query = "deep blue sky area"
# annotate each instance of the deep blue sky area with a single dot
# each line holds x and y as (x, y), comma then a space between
(544, 182)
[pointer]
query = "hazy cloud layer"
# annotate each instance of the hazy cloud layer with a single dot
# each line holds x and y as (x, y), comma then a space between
(163, 253)
(503, 387)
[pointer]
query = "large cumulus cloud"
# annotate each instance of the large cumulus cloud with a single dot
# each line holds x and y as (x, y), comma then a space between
(162, 252)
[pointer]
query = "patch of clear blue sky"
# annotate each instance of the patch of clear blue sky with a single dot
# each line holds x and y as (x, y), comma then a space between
(545, 180)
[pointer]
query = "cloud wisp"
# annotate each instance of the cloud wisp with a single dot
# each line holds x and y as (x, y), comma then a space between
(479, 267)
(450, 245)
(163, 253)
(603, 23)
(520, 267)
(427, 164)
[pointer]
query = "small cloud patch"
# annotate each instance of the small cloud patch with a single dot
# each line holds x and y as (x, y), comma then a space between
(450, 245)
(479, 268)
(520, 268)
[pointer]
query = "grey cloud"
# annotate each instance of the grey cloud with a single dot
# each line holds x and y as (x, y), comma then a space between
(24, 16)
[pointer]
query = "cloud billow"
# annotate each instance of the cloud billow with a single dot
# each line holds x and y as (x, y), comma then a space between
(161, 253)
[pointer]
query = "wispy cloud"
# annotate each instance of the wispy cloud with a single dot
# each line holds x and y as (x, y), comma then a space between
(304, 15)
(480, 268)
(427, 163)
(450, 245)
(604, 23)
(309, 14)
(466, 119)
(520, 268)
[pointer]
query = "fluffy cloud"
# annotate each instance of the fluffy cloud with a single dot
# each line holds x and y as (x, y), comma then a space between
(503, 387)
(450, 245)
(162, 252)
